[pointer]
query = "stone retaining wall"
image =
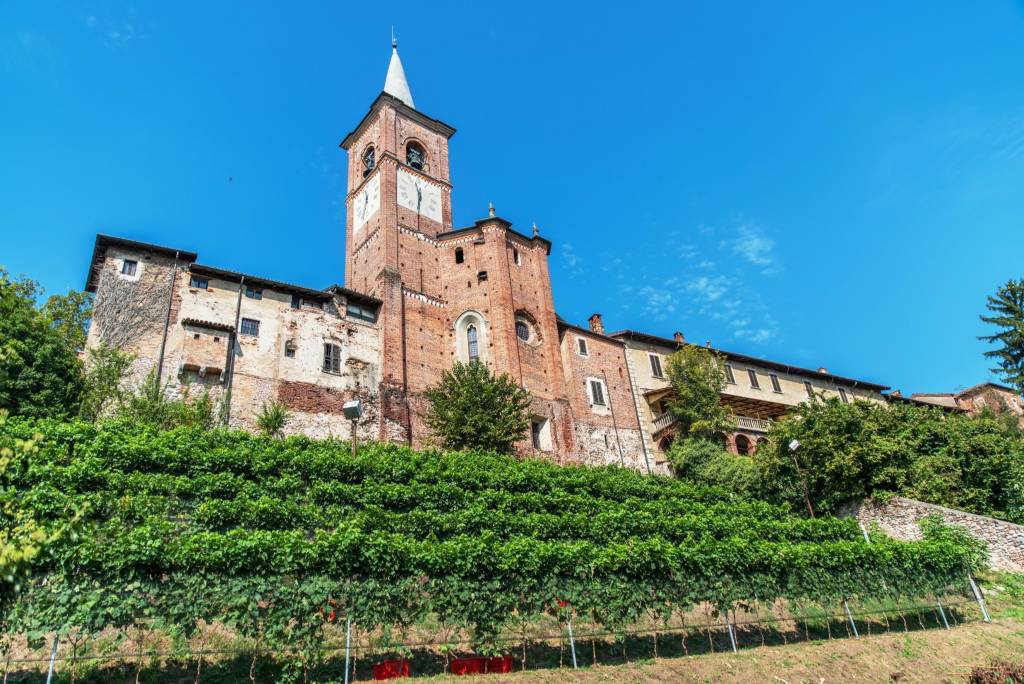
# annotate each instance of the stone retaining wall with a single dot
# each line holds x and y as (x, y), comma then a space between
(898, 517)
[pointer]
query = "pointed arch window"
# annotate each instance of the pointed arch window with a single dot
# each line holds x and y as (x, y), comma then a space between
(415, 156)
(369, 160)
(472, 345)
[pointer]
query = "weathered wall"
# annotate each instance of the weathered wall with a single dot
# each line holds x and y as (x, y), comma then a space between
(899, 518)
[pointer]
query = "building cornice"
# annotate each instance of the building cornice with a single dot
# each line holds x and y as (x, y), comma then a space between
(384, 99)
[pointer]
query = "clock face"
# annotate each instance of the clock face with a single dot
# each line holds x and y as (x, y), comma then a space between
(419, 196)
(366, 203)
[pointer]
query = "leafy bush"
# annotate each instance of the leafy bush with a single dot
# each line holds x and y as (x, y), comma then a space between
(861, 449)
(193, 524)
(272, 418)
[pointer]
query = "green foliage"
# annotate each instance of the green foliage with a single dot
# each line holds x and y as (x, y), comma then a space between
(697, 375)
(150, 405)
(706, 462)
(69, 316)
(272, 418)
(933, 527)
(103, 390)
(471, 408)
(192, 524)
(1006, 309)
(862, 449)
(40, 375)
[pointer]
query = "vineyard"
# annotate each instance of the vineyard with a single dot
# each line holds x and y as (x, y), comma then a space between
(282, 541)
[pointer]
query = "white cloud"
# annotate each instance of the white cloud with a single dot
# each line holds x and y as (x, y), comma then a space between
(572, 260)
(755, 247)
(707, 289)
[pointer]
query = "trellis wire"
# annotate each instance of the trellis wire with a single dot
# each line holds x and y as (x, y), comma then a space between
(699, 626)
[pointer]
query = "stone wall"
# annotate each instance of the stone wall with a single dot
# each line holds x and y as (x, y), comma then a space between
(898, 517)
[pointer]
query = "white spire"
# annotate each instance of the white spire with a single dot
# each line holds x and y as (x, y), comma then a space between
(395, 83)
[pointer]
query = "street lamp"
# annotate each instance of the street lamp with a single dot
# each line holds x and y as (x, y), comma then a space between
(353, 410)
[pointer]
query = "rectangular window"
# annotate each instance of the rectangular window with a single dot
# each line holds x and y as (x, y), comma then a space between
(253, 292)
(842, 396)
(332, 358)
(809, 388)
(250, 326)
(365, 313)
(296, 301)
(198, 283)
(754, 384)
(581, 344)
(597, 393)
(776, 387)
(535, 433)
(655, 365)
(729, 377)
(128, 267)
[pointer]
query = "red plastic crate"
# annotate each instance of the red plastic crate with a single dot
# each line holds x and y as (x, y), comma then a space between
(465, 666)
(391, 669)
(500, 665)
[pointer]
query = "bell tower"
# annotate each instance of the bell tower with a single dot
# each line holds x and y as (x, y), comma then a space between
(398, 183)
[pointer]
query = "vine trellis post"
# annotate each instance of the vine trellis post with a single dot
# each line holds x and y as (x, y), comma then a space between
(53, 658)
(348, 644)
(981, 599)
(942, 613)
(850, 616)
(572, 644)
(728, 624)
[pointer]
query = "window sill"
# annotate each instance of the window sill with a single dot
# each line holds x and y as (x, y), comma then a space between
(331, 372)
(777, 392)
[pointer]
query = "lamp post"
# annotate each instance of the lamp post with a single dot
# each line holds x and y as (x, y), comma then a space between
(353, 410)
(793, 446)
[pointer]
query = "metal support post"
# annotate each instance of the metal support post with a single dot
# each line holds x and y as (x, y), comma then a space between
(849, 615)
(572, 644)
(979, 597)
(732, 637)
(53, 658)
(348, 645)
(942, 613)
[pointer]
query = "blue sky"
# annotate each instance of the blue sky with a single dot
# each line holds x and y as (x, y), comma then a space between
(823, 184)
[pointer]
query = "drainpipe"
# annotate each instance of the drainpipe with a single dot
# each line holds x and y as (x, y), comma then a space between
(231, 353)
(615, 426)
(167, 320)
(636, 407)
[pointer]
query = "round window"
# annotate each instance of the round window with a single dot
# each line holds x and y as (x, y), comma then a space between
(522, 331)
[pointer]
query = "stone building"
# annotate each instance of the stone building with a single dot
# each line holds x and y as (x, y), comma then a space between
(998, 399)
(420, 293)
(757, 391)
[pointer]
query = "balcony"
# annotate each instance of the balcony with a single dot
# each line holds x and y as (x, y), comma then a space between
(755, 424)
(663, 421)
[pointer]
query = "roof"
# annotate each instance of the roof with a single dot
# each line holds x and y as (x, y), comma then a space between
(752, 360)
(395, 82)
(322, 295)
(918, 402)
(970, 390)
(213, 325)
(566, 325)
(103, 242)
(458, 232)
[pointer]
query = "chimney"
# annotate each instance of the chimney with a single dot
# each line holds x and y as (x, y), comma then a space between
(596, 324)
(823, 370)
(678, 337)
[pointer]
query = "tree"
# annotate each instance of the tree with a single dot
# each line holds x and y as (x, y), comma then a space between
(102, 388)
(861, 449)
(697, 375)
(40, 374)
(69, 315)
(471, 408)
(706, 462)
(1007, 314)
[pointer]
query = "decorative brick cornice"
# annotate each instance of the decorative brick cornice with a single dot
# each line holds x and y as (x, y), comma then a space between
(369, 238)
(423, 297)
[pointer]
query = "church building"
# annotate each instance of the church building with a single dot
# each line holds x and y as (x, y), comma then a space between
(420, 294)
